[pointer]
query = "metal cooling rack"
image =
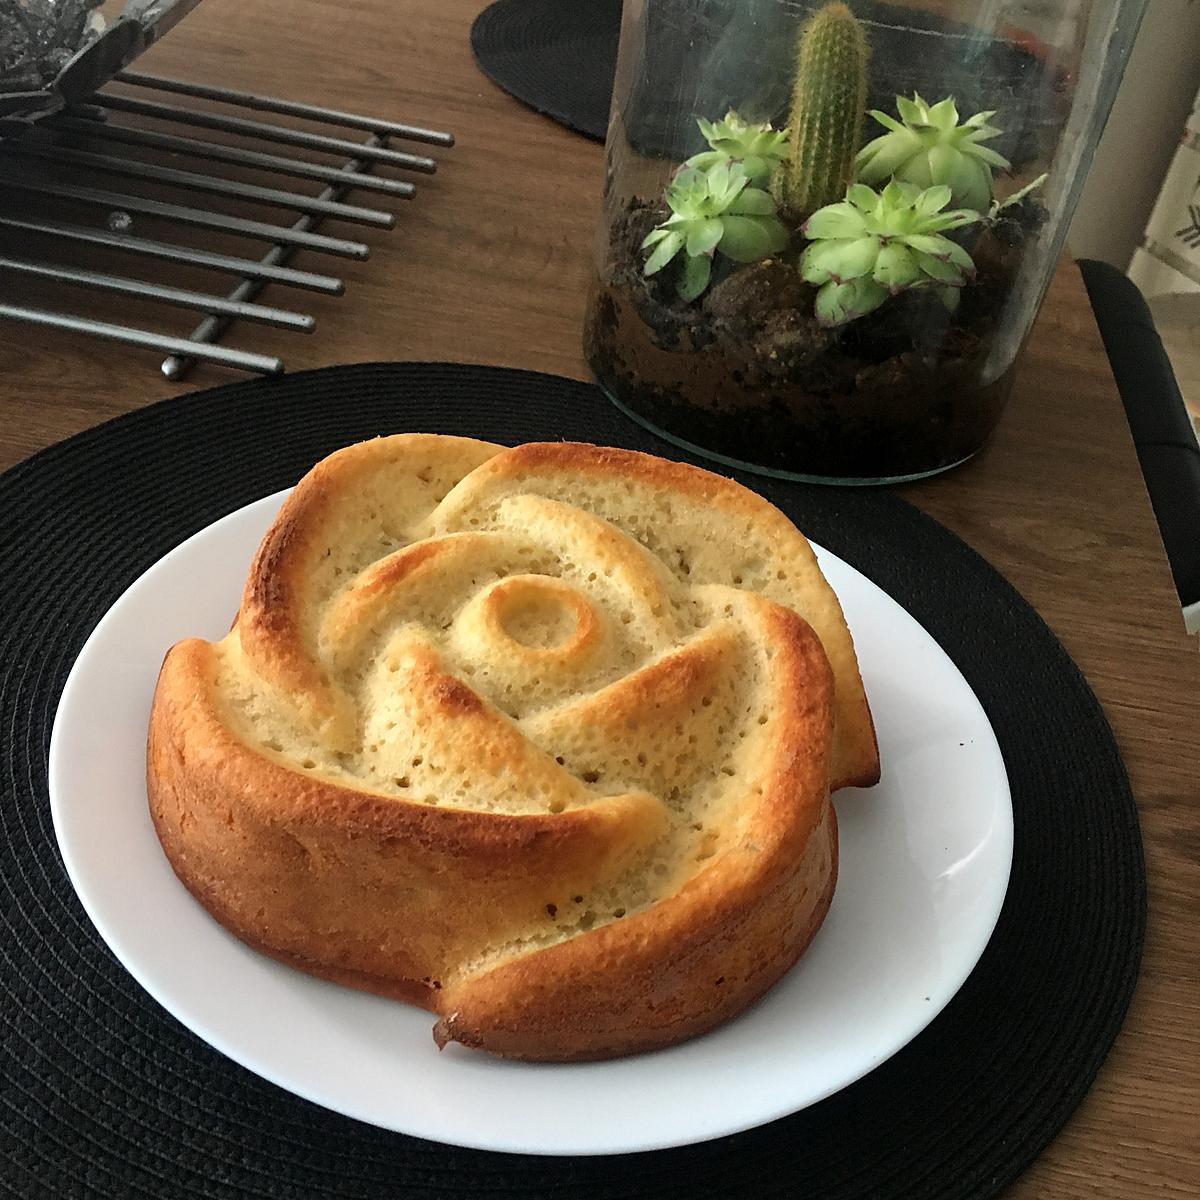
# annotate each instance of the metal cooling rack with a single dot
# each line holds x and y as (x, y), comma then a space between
(66, 161)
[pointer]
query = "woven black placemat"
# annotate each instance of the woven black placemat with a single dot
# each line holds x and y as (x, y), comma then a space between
(102, 1094)
(707, 56)
(558, 57)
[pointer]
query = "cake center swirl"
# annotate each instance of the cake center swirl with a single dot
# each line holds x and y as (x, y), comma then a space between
(539, 614)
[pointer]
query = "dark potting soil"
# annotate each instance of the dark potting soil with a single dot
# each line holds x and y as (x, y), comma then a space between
(746, 370)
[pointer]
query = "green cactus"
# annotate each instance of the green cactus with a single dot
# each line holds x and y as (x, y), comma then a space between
(873, 245)
(828, 100)
(931, 147)
(759, 148)
(713, 211)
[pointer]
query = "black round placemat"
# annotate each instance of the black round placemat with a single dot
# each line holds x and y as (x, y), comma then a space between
(560, 58)
(557, 56)
(102, 1094)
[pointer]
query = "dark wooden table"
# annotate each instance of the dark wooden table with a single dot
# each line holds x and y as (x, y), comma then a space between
(489, 264)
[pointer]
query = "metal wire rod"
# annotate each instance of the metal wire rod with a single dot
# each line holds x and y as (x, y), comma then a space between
(212, 327)
(131, 168)
(289, 108)
(260, 129)
(188, 255)
(194, 216)
(218, 152)
(179, 297)
(264, 364)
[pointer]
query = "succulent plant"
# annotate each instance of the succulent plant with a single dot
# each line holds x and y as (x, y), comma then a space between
(758, 147)
(711, 211)
(873, 245)
(928, 146)
(825, 125)
(998, 206)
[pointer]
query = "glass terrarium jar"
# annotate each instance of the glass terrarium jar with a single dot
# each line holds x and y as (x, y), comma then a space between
(827, 228)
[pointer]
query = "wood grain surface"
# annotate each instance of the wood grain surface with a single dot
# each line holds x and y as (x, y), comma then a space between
(488, 264)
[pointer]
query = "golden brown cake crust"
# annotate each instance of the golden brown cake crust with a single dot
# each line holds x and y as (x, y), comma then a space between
(472, 745)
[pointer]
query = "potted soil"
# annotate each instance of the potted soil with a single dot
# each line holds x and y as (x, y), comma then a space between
(841, 296)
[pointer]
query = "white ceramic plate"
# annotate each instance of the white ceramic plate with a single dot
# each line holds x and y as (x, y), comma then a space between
(924, 866)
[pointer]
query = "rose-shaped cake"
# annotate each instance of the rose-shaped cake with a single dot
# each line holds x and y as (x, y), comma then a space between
(541, 739)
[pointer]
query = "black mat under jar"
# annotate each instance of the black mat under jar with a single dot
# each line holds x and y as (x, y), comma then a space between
(560, 57)
(557, 57)
(102, 1094)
